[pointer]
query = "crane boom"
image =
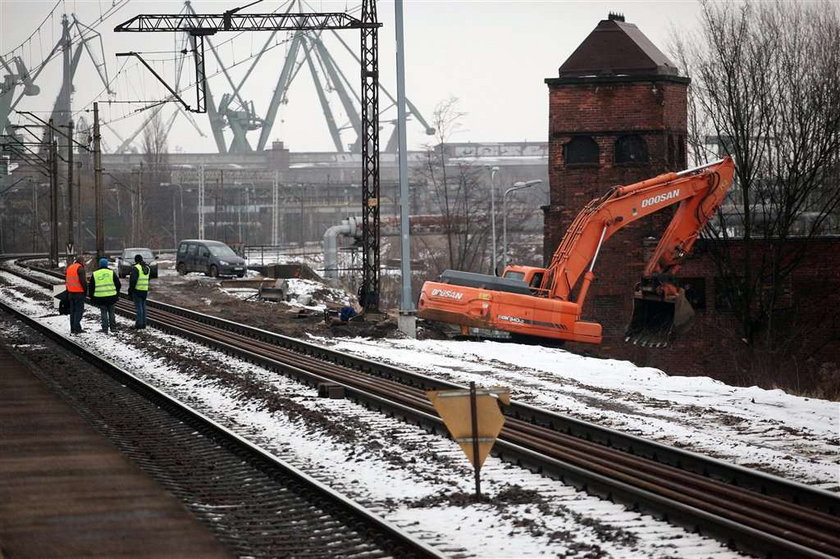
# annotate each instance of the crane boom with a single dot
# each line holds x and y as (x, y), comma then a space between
(209, 24)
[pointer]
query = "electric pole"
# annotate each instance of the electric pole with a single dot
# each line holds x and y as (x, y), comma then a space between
(407, 320)
(70, 220)
(216, 209)
(97, 183)
(53, 162)
(79, 224)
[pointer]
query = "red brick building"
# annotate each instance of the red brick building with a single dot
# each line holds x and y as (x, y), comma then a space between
(617, 115)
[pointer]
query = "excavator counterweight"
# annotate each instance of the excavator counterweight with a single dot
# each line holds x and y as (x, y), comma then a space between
(531, 302)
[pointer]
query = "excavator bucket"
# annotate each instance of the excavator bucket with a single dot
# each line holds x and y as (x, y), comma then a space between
(655, 320)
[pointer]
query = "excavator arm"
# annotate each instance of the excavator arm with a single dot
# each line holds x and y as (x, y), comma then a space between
(698, 192)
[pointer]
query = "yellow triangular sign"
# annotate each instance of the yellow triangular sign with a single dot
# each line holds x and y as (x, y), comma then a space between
(454, 408)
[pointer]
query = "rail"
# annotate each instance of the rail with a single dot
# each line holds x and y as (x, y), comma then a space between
(390, 538)
(760, 512)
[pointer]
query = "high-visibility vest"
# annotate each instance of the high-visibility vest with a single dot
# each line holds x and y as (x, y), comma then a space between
(71, 279)
(104, 280)
(142, 279)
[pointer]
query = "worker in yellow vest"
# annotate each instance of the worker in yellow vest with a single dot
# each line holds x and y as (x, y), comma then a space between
(104, 288)
(138, 290)
(74, 280)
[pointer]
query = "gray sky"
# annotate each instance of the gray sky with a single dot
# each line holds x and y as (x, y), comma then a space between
(492, 55)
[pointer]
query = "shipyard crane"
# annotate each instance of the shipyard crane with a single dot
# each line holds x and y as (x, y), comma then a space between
(306, 51)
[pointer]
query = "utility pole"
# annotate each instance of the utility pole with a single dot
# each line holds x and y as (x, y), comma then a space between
(407, 319)
(133, 200)
(216, 209)
(275, 206)
(201, 202)
(138, 238)
(53, 161)
(97, 183)
(369, 293)
(79, 220)
(34, 216)
(70, 216)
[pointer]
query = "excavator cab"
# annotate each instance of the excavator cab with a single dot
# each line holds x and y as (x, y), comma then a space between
(660, 311)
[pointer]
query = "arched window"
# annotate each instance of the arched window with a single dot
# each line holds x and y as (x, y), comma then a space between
(581, 150)
(631, 149)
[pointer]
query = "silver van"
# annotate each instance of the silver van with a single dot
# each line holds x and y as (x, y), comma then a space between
(214, 258)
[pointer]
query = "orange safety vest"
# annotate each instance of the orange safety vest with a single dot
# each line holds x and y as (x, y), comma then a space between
(72, 278)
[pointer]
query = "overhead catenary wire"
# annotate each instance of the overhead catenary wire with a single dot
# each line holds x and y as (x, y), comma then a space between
(155, 102)
(35, 68)
(139, 93)
(37, 31)
(128, 84)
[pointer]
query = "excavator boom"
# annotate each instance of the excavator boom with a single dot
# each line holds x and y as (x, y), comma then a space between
(536, 302)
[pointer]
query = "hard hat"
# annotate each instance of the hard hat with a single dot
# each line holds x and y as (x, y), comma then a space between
(103, 262)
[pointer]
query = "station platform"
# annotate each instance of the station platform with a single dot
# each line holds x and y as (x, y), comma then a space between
(65, 491)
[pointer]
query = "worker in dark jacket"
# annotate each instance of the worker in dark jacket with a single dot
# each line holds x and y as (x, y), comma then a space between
(104, 289)
(138, 289)
(74, 280)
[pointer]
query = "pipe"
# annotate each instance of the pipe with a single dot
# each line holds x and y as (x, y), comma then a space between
(350, 227)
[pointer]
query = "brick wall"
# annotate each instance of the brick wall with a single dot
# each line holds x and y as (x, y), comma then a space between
(605, 109)
(656, 110)
(712, 346)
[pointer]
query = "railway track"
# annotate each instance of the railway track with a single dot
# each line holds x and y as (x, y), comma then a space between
(255, 503)
(749, 510)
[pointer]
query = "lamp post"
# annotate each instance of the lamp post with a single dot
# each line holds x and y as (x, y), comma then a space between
(493, 172)
(245, 231)
(516, 186)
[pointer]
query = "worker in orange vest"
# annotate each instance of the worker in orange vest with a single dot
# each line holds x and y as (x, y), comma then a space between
(76, 287)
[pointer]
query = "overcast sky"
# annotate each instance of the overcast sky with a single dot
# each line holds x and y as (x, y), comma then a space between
(491, 55)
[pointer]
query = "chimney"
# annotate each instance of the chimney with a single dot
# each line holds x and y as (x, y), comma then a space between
(616, 17)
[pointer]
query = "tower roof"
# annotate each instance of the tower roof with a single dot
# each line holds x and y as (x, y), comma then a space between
(617, 48)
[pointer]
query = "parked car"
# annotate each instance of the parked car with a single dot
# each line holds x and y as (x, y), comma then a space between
(214, 258)
(125, 262)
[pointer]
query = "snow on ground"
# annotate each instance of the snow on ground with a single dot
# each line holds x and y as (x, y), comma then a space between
(314, 295)
(401, 471)
(790, 435)
(796, 437)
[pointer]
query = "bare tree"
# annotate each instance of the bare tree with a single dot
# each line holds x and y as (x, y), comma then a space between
(152, 202)
(766, 87)
(455, 190)
(155, 148)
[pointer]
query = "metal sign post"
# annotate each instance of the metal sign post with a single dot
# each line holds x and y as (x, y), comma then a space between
(474, 425)
(474, 419)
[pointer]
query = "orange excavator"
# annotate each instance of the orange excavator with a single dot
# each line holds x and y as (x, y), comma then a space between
(536, 303)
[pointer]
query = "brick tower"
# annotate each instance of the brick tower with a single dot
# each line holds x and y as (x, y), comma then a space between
(617, 115)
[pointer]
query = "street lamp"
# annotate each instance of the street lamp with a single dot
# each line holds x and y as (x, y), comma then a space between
(493, 172)
(516, 186)
(245, 233)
